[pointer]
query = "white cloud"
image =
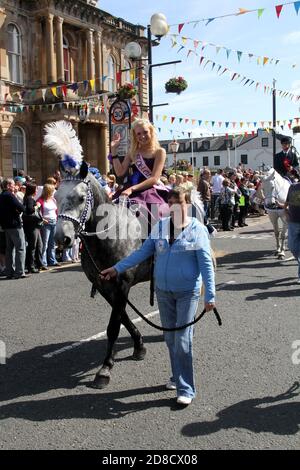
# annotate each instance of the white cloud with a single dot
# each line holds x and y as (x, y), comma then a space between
(292, 38)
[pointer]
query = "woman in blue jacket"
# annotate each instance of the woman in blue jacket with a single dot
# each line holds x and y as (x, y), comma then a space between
(182, 259)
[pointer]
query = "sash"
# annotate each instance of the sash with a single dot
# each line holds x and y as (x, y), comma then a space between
(146, 172)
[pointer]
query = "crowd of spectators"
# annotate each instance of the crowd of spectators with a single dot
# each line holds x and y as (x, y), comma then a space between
(28, 213)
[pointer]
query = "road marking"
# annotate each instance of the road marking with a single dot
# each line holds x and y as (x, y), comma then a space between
(86, 340)
(245, 237)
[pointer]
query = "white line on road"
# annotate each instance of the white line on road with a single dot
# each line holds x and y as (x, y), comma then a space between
(99, 335)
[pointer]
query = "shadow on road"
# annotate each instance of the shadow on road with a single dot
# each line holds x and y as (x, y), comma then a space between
(28, 373)
(257, 415)
(285, 282)
(99, 405)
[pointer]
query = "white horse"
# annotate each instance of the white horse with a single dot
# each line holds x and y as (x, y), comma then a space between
(274, 189)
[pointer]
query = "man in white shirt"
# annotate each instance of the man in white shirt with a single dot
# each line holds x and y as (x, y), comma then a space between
(216, 184)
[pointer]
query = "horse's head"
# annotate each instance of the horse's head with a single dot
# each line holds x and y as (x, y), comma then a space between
(275, 188)
(75, 200)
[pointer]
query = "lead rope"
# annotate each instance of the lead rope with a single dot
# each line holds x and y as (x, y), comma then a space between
(157, 327)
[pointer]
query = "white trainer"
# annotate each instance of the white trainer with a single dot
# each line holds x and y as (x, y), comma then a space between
(184, 400)
(171, 385)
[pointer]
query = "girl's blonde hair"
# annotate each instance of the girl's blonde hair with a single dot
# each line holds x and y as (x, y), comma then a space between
(48, 191)
(134, 147)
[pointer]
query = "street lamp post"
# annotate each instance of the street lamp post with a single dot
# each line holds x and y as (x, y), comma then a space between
(174, 147)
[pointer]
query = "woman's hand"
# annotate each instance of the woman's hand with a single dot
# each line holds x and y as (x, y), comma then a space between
(209, 306)
(108, 274)
(115, 143)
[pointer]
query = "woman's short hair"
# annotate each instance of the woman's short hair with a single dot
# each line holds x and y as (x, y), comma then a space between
(179, 191)
(30, 189)
(51, 180)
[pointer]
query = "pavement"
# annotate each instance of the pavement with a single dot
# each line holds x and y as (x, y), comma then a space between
(247, 371)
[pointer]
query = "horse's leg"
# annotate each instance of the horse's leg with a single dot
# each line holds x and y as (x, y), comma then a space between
(274, 221)
(283, 235)
(139, 350)
(102, 377)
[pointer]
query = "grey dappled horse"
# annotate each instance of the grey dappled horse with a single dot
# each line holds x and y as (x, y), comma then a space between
(111, 232)
(274, 189)
(79, 199)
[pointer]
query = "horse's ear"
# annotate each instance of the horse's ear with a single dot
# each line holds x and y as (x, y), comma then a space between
(62, 169)
(84, 169)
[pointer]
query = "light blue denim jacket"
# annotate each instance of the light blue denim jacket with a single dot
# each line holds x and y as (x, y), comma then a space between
(181, 266)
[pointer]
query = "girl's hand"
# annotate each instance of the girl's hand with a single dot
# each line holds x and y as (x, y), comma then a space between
(127, 192)
(115, 143)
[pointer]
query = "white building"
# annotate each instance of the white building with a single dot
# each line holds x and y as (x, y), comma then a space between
(255, 152)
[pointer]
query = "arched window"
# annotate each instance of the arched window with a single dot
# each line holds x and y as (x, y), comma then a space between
(14, 54)
(66, 48)
(126, 76)
(18, 146)
(111, 74)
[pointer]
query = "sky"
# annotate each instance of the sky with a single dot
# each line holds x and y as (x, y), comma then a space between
(210, 97)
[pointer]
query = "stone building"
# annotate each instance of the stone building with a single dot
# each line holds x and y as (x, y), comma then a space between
(50, 43)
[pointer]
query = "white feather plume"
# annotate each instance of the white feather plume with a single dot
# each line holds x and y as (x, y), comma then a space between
(61, 138)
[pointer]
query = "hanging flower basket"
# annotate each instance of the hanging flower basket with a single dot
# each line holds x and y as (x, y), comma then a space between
(176, 85)
(127, 91)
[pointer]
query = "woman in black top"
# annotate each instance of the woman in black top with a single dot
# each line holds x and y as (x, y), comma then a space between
(32, 222)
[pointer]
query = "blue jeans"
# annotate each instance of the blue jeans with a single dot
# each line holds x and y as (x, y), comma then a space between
(15, 251)
(294, 241)
(176, 309)
(48, 255)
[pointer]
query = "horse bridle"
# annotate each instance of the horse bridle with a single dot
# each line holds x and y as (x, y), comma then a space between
(79, 223)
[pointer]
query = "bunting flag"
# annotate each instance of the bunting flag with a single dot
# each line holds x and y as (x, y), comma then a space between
(54, 91)
(218, 47)
(241, 11)
(278, 9)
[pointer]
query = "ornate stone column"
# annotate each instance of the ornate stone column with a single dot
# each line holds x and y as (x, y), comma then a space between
(59, 49)
(90, 55)
(50, 49)
(98, 60)
(103, 163)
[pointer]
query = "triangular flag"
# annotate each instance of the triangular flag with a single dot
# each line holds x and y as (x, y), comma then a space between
(212, 123)
(180, 49)
(225, 70)
(220, 123)
(250, 56)
(265, 61)
(255, 124)
(184, 39)
(64, 90)
(172, 119)
(218, 48)
(157, 117)
(242, 11)
(228, 51)
(278, 9)
(199, 122)
(186, 120)
(85, 84)
(180, 120)
(44, 90)
(74, 87)
(234, 76)
(190, 50)
(196, 44)
(241, 124)
(104, 77)
(219, 68)
(297, 6)
(239, 54)
(164, 118)
(258, 60)
(193, 121)
(180, 26)
(209, 21)
(54, 91)
(201, 60)
(226, 124)
(260, 12)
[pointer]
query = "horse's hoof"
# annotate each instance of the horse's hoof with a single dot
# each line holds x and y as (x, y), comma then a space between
(281, 256)
(139, 354)
(100, 381)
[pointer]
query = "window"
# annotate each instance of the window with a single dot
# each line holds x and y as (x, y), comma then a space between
(181, 148)
(265, 142)
(126, 74)
(205, 161)
(244, 159)
(111, 69)
(14, 54)
(66, 50)
(217, 160)
(18, 150)
(206, 144)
